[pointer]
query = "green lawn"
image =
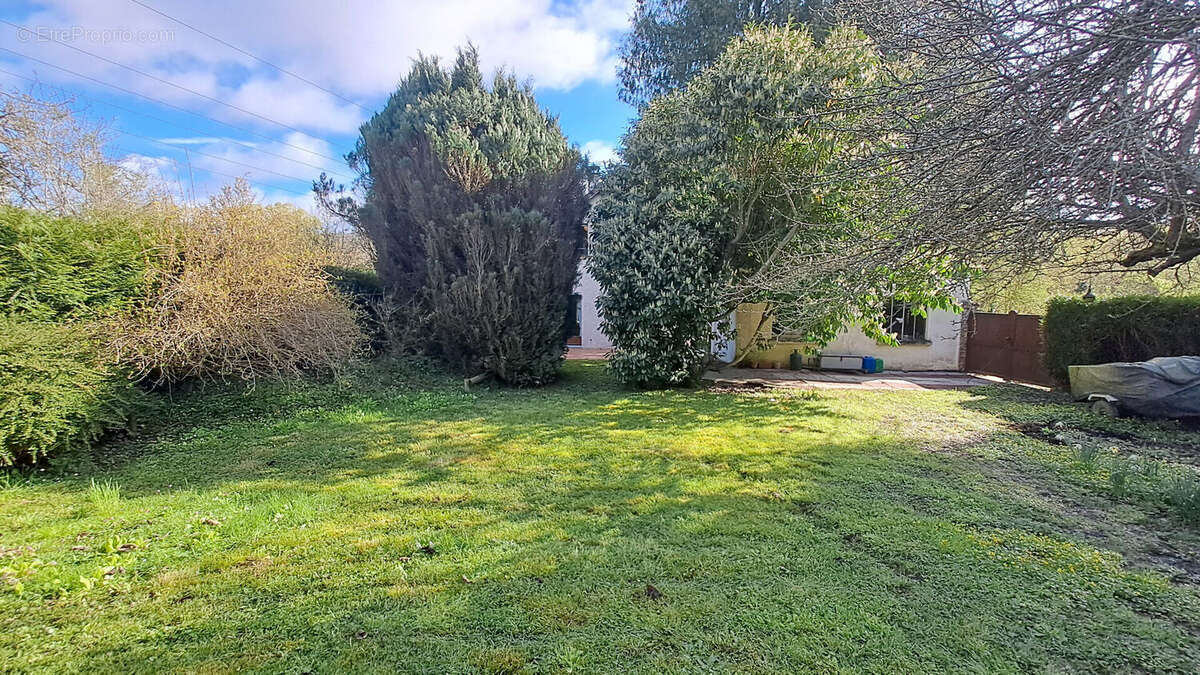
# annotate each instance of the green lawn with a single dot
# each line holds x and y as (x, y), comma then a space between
(390, 521)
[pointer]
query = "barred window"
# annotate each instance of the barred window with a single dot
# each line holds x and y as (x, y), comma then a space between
(905, 322)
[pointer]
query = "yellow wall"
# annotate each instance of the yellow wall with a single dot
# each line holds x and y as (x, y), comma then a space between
(748, 316)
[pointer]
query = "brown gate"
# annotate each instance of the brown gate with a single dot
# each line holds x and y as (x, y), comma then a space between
(1009, 345)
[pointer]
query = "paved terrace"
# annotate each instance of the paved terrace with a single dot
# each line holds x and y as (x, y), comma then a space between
(827, 379)
(822, 379)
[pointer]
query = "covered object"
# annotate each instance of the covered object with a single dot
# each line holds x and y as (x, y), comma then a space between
(1163, 387)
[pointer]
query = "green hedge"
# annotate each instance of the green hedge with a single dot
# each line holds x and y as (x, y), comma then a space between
(1133, 328)
(364, 290)
(52, 269)
(56, 393)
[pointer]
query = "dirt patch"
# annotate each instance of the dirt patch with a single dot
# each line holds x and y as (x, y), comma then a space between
(729, 387)
(1117, 442)
(1145, 537)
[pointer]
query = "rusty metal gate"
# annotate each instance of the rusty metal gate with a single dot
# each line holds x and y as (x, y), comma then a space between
(1008, 345)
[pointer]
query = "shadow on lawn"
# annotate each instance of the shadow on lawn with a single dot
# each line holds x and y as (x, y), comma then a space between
(307, 441)
(1024, 406)
(788, 559)
(583, 526)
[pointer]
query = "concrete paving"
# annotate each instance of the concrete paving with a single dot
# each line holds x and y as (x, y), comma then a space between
(828, 379)
(587, 353)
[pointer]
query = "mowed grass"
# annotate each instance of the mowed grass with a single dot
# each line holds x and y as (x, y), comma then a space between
(392, 522)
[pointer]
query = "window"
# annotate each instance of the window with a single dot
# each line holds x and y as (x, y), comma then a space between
(585, 244)
(905, 323)
(781, 335)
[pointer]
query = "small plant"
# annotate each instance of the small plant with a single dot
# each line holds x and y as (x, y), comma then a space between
(1182, 492)
(1087, 454)
(1121, 472)
(106, 496)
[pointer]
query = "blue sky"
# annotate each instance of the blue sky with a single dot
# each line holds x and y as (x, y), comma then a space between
(198, 112)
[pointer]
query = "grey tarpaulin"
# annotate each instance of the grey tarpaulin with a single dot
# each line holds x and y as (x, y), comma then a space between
(1168, 386)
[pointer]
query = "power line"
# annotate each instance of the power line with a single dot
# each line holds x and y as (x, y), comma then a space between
(208, 154)
(165, 103)
(155, 77)
(229, 175)
(253, 56)
(176, 124)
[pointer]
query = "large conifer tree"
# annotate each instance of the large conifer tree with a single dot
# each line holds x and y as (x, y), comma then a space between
(475, 203)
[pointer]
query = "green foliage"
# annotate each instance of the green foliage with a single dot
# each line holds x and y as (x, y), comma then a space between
(734, 189)
(1134, 328)
(365, 293)
(55, 392)
(63, 268)
(475, 209)
(671, 41)
(658, 277)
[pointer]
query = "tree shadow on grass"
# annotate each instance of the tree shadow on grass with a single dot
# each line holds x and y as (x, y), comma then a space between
(671, 563)
(584, 527)
(421, 433)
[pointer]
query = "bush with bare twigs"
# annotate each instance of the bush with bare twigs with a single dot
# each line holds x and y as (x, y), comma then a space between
(240, 293)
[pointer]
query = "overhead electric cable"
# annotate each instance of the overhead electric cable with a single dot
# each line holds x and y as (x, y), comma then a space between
(165, 103)
(251, 55)
(176, 124)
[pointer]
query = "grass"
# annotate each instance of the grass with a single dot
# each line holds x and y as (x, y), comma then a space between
(391, 521)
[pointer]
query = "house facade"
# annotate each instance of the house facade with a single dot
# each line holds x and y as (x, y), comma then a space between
(927, 343)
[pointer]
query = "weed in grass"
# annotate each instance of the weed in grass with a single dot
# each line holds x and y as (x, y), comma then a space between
(1121, 472)
(105, 496)
(11, 480)
(1182, 491)
(1087, 454)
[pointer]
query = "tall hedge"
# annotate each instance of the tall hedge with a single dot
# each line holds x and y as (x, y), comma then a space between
(52, 269)
(1133, 328)
(58, 278)
(57, 392)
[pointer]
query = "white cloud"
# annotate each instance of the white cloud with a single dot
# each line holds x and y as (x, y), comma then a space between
(297, 156)
(195, 140)
(162, 169)
(359, 48)
(600, 152)
(272, 196)
(178, 180)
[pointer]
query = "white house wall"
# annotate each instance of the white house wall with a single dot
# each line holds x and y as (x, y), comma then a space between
(941, 353)
(941, 327)
(587, 289)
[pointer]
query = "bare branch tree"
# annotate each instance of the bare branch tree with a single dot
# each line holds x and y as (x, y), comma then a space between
(1033, 123)
(46, 154)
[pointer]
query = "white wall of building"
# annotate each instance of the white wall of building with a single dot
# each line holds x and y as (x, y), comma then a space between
(587, 289)
(942, 329)
(941, 353)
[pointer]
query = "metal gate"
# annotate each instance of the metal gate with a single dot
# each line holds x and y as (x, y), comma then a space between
(1008, 345)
